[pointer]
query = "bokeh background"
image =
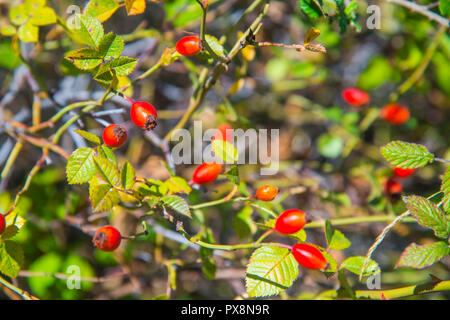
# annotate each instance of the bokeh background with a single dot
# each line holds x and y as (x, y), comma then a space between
(330, 164)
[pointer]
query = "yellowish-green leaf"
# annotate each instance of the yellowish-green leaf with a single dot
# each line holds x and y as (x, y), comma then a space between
(355, 265)
(177, 204)
(177, 185)
(445, 187)
(107, 170)
(91, 30)
(110, 46)
(225, 151)
(103, 197)
(18, 14)
(8, 30)
(28, 32)
(123, 65)
(429, 215)
(101, 9)
(43, 16)
(127, 176)
(406, 155)
(88, 136)
(11, 258)
(135, 6)
(80, 166)
(270, 270)
(85, 58)
(419, 257)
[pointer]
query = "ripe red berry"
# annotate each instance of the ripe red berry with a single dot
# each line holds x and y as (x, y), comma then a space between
(266, 193)
(189, 46)
(308, 256)
(205, 173)
(290, 221)
(2, 223)
(114, 135)
(395, 113)
(403, 173)
(143, 115)
(224, 132)
(107, 238)
(355, 97)
(392, 186)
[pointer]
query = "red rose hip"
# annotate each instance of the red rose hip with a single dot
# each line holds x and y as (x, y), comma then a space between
(395, 113)
(308, 256)
(143, 114)
(107, 238)
(355, 97)
(188, 46)
(206, 173)
(266, 193)
(114, 135)
(290, 221)
(2, 223)
(392, 186)
(403, 173)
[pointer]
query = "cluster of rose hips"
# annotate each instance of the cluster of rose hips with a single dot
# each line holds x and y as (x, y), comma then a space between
(308, 256)
(143, 115)
(394, 113)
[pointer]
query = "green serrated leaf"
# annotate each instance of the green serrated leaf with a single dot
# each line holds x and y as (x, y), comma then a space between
(127, 176)
(11, 258)
(270, 270)
(88, 136)
(177, 185)
(107, 170)
(85, 58)
(28, 32)
(103, 197)
(101, 9)
(123, 65)
(419, 257)
(177, 204)
(225, 151)
(445, 188)
(107, 153)
(406, 155)
(90, 31)
(80, 166)
(428, 215)
(311, 8)
(110, 46)
(43, 16)
(355, 265)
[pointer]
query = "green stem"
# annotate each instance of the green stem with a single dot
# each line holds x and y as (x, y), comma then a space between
(354, 220)
(216, 202)
(403, 292)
